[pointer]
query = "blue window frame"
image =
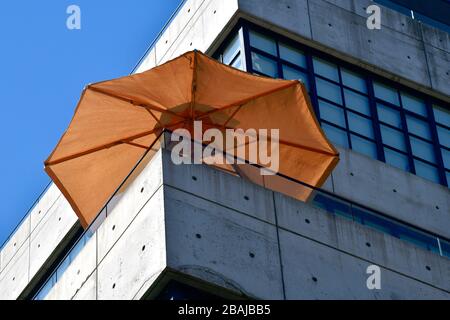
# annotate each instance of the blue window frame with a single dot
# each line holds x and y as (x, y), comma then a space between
(357, 109)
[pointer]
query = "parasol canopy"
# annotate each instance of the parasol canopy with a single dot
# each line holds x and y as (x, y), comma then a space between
(117, 121)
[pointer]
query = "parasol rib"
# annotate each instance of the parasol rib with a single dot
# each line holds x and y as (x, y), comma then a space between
(135, 103)
(244, 101)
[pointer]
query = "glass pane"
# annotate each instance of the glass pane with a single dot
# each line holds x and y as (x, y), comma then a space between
(237, 63)
(333, 205)
(332, 113)
(328, 90)
(326, 69)
(360, 125)
(414, 104)
(386, 93)
(426, 171)
(396, 159)
(446, 158)
(292, 55)
(422, 149)
(393, 138)
(442, 115)
(357, 102)
(447, 174)
(371, 220)
(444, 136)
(418, 238)
(264, 65)
(353, 80)
(232, 50)
(263, 43)
(292, 74)
(364, 146)
(389, 115)
(445, 246)
(418, 127)
(336, 135)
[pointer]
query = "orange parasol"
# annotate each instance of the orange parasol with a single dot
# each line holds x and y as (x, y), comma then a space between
(117, 121)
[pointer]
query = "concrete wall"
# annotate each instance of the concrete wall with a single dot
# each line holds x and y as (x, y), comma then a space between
(392, 191)
(34, 242)
(404, 50)
(266, 236)
(195, 27)
(127, 252)
(254, 246)
(207, 225)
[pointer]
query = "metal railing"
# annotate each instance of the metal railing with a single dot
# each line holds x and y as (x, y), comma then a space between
(328, 201)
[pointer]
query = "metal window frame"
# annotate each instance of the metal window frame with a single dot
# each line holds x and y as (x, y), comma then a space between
(243, 27)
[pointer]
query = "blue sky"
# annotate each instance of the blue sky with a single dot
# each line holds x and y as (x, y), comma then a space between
(44, 67)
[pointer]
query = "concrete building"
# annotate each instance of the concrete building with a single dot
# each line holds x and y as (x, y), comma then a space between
(382, 96)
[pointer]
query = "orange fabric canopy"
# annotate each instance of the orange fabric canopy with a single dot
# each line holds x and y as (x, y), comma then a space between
(116, 122)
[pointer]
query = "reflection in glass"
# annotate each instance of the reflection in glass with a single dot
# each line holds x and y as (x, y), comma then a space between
(263, 43)
(328, 90)
(353, 80)
(393, 138)
(264, 65)
(396, 159)
(357, 102)
(360, 125)
(292, 55)
(332, 113)
(325, 69)
(426, 171)
(386, 93)
(336, 135)
(364, 146)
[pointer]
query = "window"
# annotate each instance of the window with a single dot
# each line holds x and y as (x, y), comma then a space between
(264, 65)
(292, 55)
(356, 109)
(231, 54)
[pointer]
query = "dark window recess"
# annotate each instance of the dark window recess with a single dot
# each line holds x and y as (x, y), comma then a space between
(382, 223)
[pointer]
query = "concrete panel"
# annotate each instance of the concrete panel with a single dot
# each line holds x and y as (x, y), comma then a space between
(127, 206)
(223, 188)
(436, 37)
(393, 192)
(347, 32)
(44, 205)
(16, 241)
(389, 18)
(14, 277)
(49, 233)
(89, 289)
(137, 258)
(149, 61)
(439, 65)
(74, 277)
(393, 253)
(314, 271)
(362, 241)
(291, 15)
(222, 246)
(190, 32)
